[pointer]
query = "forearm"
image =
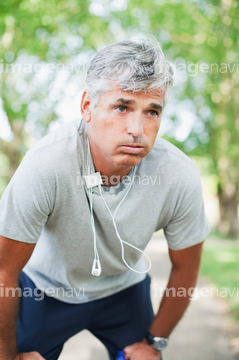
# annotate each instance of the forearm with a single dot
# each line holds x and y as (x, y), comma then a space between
(9, 301)
(173, 305)
(170, 312)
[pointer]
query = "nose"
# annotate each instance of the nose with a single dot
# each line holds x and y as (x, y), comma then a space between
(135, 125)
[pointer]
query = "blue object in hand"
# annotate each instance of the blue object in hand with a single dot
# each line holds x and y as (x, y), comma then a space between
(120, 355)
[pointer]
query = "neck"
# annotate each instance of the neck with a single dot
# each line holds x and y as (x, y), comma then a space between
(111, 173)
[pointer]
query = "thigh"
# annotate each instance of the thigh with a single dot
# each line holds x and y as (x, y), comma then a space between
(45, 323)
(123, 318)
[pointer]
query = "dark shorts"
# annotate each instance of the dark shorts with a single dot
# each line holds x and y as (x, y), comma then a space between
(117, 320)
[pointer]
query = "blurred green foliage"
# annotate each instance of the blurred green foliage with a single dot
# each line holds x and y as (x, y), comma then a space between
(4, 166)
(221, 265)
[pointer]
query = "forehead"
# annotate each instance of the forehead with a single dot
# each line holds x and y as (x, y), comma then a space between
(115, 94)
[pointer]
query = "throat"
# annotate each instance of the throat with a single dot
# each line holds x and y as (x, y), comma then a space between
(111, 173)
(112, 177)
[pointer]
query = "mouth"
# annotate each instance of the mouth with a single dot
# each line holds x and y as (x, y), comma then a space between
(132, 148)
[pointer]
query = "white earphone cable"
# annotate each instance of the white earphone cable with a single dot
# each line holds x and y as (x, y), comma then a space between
(117, 233)
(96, 268)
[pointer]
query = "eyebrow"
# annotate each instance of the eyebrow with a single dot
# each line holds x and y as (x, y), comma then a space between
(125, 101)
(156, 106)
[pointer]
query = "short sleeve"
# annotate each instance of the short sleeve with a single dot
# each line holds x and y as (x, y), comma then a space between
(25, 205)
(189, 224)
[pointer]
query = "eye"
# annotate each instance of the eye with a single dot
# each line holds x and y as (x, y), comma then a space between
(153, 113)
(121, 109)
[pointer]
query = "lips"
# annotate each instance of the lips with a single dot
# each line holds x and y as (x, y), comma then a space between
(132, 148)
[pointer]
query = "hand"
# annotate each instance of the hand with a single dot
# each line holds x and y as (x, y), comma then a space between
(34, 355)
(141, 351)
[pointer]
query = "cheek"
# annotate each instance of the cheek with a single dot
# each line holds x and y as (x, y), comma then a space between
(152, 131)
(107, 125)
(114, 131)
(102, 129)
(108, 137)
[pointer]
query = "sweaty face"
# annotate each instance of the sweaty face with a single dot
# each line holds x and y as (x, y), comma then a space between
(122, 128)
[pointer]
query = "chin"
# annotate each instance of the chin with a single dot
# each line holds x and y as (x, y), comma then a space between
(129, 160)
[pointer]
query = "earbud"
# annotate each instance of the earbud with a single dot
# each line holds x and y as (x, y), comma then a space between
(96, 268)
(93, 180)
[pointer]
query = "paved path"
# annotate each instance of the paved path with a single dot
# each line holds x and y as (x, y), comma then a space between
(201, 334)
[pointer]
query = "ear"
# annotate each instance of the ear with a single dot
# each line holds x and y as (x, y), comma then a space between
(86, 107)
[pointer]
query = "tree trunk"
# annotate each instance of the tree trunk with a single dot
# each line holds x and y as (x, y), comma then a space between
(228, 202)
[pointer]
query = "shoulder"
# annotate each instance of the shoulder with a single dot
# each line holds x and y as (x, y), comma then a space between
(176, 169)
(57, 150)
(166, 155)
(171, 155)
(55, 140)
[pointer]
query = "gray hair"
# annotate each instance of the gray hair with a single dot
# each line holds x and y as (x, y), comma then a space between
(133, 65)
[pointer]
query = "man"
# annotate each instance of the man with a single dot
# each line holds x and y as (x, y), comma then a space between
(80, 207)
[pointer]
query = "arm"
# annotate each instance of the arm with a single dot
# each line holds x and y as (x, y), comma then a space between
(13, 256)
(184, 274)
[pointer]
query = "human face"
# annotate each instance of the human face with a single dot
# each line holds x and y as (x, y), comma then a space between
(122, 128)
